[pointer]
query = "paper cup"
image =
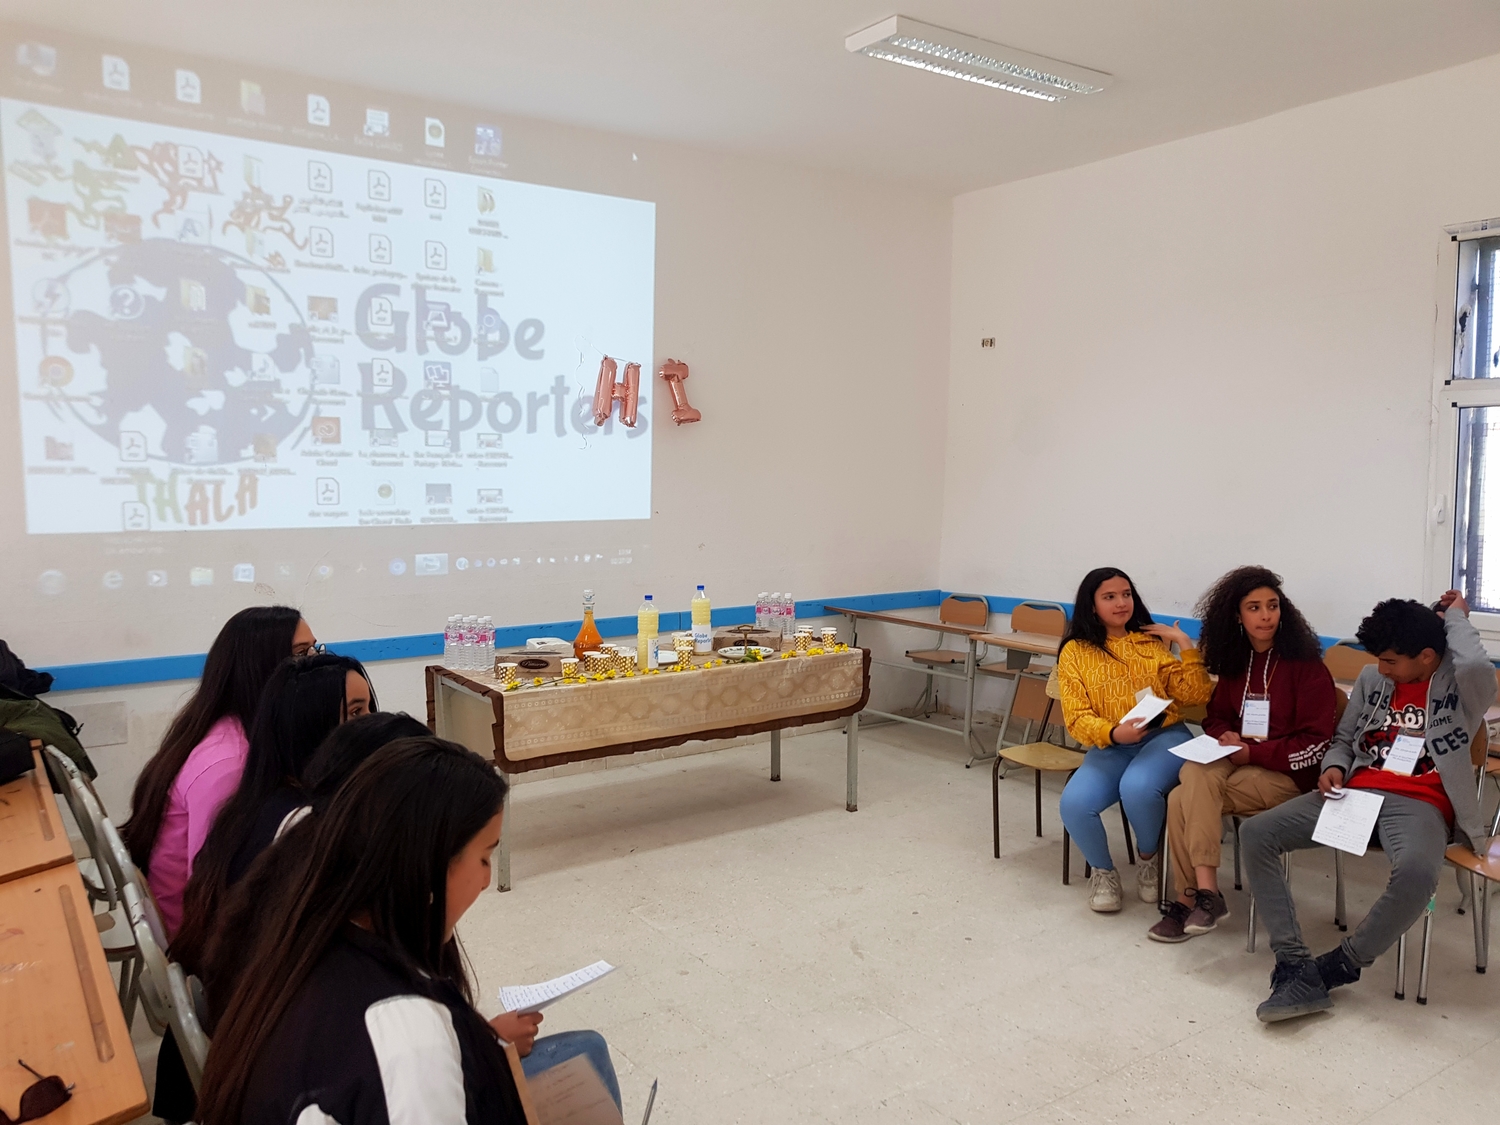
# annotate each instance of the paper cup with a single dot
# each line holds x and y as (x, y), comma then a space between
(505, 673)
(595, 663)
(569, 667)
(830, 638)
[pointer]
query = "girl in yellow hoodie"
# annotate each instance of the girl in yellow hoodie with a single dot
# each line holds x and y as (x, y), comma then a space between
(1112, 651)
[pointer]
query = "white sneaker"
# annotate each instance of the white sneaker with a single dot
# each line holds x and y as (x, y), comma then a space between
(1105, 896)
(1146, 875)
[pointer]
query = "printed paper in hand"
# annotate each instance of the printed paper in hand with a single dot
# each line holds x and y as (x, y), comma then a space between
(1203, 749)
(535, 997)
(572, 1093)
(1147, 709)
(1348, 821)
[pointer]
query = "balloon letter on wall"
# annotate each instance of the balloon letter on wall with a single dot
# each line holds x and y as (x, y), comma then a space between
(675, 372)
(607, 391)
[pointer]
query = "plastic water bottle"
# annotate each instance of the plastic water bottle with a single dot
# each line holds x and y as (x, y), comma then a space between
(450, 642)
(773, 613)
(469, 654)
(703, 629)
(788, 617)
(760, 610)
(486, 645)
(647, 622)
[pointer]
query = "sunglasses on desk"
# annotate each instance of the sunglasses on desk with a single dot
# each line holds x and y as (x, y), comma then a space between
(41, 1098)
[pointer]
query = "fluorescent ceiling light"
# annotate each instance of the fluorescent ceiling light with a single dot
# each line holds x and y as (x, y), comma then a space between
(940, 51)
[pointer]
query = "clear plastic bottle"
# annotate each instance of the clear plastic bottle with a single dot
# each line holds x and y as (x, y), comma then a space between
(450, 642)
(486, 645)
(788, 617)
(703, 628)
(647, 623)
(760, 610)
(470, 654)
(773, 613)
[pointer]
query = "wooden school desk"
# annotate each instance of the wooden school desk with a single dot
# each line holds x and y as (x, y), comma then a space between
(971, 665)
(32, 837)
(58, 1008)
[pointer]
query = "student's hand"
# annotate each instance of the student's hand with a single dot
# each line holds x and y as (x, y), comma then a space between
(1231, 738)
(1128, 734)
(1333, 778)
(517, 1028)
(1172, 634)
(1240, 757)
(1453, 597)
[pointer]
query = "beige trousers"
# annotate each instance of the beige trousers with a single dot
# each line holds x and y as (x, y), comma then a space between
(1203, 797)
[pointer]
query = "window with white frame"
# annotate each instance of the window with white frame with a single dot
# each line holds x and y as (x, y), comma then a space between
(1472, 391)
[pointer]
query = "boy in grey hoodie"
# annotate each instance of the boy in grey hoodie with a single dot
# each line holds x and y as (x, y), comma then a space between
(1406, 734)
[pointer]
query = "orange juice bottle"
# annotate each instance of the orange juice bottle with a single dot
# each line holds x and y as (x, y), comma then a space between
(588, 639)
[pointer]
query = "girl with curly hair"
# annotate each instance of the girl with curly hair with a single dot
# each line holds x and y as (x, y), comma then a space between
(1275, 704)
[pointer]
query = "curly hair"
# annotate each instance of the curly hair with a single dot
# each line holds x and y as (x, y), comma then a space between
(1225, 648)
(1404, 627)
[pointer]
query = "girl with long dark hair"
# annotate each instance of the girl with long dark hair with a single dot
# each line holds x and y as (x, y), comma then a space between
(354, 1005)
(1112, 651)
(185, 784)
(305, 699)
(1275, 704)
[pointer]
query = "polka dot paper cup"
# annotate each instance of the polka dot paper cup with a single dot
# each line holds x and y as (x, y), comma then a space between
(506, 673)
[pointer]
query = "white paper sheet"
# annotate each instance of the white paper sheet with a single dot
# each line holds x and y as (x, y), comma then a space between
(1203, 749)
(1147, 708)
(1348, 820)
(535, 997)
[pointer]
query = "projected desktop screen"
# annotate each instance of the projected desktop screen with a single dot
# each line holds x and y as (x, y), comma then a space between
(243, 301)
(215, 329)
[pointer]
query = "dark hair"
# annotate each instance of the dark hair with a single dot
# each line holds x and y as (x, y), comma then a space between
(347, 747)
(239, 923)
(239, 663)
(1223, 643)
(1085, 625)
(381, 850)
(303, 702)
(1404, 627)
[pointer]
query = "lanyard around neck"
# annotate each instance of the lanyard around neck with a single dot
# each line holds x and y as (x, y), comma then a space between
(1265, 679)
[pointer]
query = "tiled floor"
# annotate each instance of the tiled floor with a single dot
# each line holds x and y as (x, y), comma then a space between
(781, 960)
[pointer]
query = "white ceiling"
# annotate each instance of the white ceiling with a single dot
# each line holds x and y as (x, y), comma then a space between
(771, 77)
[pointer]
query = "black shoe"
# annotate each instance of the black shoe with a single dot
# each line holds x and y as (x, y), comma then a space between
(1296, 990)
(1336, 967)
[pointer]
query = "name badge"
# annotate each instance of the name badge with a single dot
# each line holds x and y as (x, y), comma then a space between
(1404, 753)
(1256, 721)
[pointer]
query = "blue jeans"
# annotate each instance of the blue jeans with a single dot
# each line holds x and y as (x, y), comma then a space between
(1139, 777)
(550, 1050)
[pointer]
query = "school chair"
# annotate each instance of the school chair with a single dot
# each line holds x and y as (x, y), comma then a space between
(970, 611)
(1046, 618)
(1043, 757)
(1344, 659)
(162, 987)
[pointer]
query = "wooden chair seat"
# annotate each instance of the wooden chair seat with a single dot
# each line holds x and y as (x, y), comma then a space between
(1486, 866)
(1044, 756)
(938, 656)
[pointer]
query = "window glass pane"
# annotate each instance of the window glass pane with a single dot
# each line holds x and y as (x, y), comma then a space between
(1477, 507)
(1476, 345)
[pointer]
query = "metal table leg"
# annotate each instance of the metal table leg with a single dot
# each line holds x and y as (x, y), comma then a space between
(776, 755)
(971, 659)
(502, 853)
(851, 769)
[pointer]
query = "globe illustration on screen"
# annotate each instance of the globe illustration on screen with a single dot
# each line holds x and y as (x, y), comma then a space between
(178, 352)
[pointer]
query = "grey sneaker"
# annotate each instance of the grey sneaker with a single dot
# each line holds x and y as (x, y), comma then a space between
(1105, 896)
(1210, 910)
(1146, 876)
(1296, 990)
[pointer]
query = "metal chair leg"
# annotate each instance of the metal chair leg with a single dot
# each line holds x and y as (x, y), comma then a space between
(1129, 844)
(1401, 968)
(1067, 853)
(1038, 803)
(1163, 867)
(1238, 882)
(1426, 954)
(1340, 914)
(995, 792)
(1250, 934)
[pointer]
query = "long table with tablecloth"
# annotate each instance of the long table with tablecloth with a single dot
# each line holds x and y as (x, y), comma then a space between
(533, 727)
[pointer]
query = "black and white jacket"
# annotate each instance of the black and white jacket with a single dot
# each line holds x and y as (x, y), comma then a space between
(359, 1045)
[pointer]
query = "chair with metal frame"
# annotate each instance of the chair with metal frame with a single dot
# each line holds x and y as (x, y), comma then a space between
(1043, 757)
(62, 771)
(1345, 659)
(164, 991)
(967, 610)
(1047, 618)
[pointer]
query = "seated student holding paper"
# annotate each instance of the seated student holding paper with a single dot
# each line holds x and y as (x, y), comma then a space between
(1112, 651)
(354, 1006)
(1275, 705)
(1404, 735)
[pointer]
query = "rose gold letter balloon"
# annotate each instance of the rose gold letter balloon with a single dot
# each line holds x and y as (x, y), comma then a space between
(675, 372)
(606, 391)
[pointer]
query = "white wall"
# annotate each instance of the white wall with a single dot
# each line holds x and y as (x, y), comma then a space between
(1215, 352)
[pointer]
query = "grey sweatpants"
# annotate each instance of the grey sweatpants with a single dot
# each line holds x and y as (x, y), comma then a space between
(1414, 836)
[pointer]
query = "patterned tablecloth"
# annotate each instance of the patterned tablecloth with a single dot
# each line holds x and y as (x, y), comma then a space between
(532, 728)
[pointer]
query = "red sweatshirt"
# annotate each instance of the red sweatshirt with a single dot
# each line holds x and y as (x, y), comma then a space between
(1302, 715)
